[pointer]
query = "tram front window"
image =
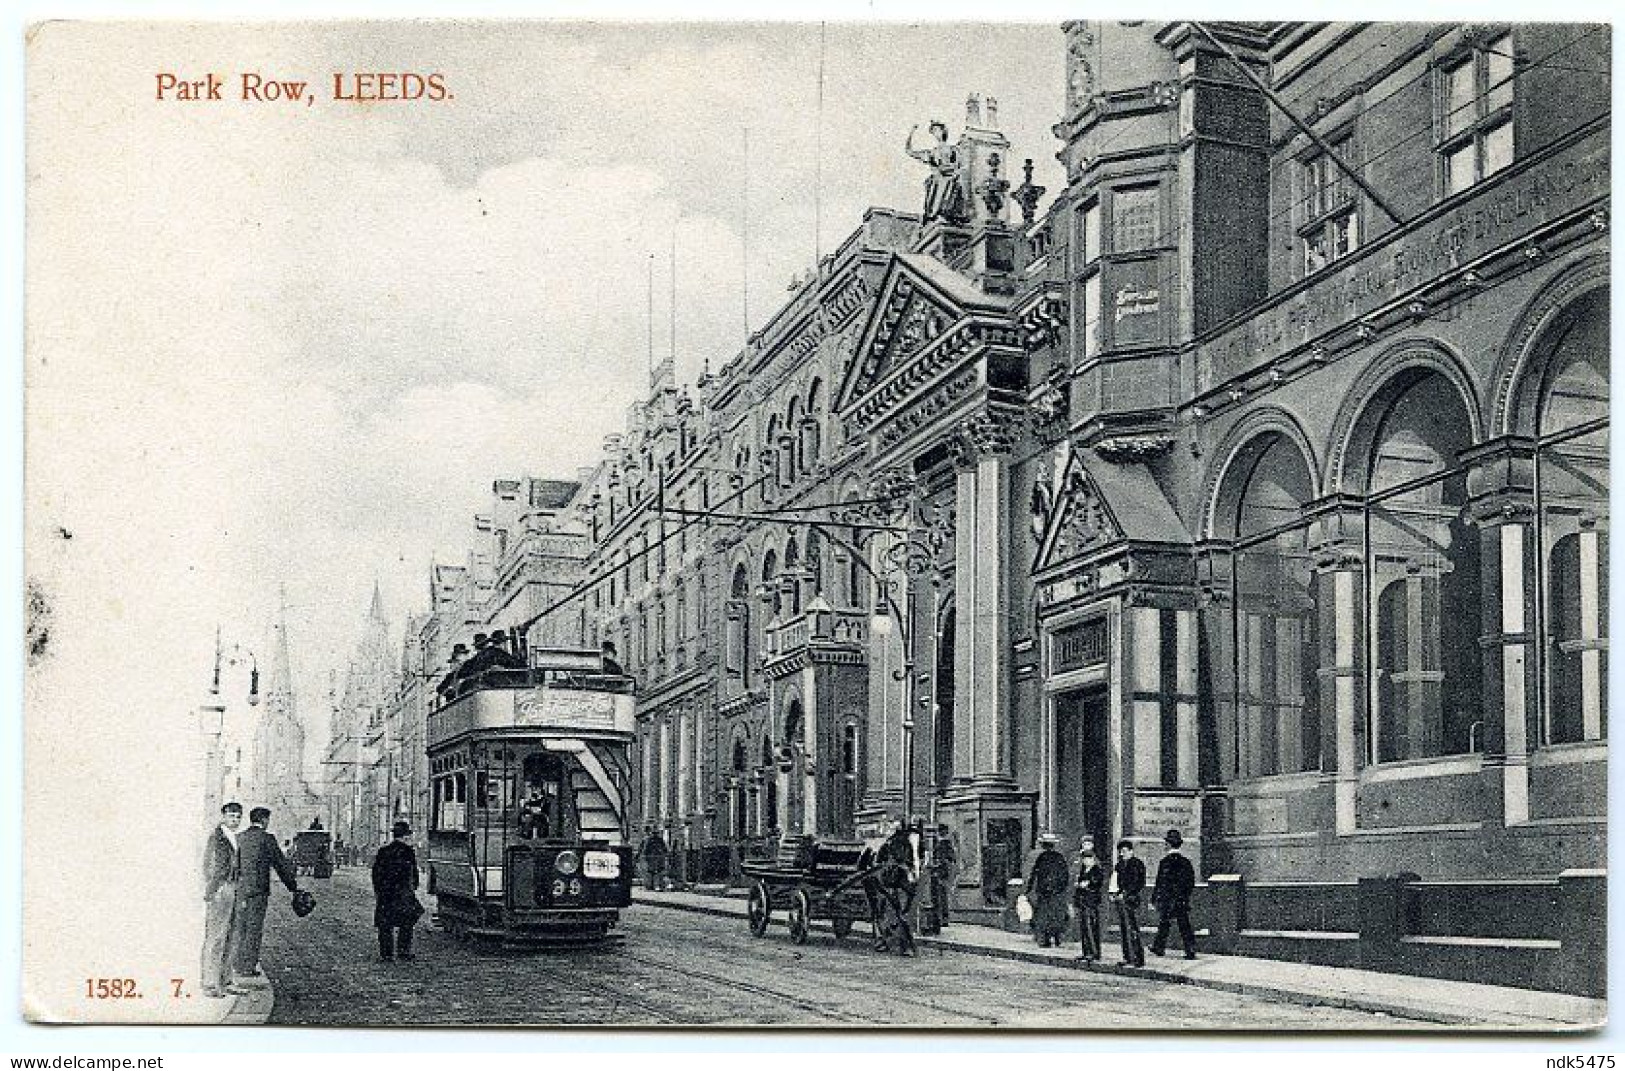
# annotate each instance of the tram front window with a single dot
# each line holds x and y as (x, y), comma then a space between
(547, 809)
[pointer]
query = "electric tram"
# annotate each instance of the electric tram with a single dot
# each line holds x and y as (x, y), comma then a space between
(531, 775)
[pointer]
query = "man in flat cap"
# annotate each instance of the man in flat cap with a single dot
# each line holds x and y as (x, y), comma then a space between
(220, 899)
(394, 885)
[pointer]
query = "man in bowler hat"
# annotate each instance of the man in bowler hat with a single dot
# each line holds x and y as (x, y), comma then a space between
(394, 887)
(1176, 879)
(258, 854)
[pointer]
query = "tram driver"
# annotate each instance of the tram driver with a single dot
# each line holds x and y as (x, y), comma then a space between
(535, 817)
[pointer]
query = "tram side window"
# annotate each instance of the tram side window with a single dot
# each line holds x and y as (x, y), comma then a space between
(451, 802)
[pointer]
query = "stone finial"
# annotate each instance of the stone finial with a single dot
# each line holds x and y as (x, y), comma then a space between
(973, 110)
(992, 106)
(1027, 195)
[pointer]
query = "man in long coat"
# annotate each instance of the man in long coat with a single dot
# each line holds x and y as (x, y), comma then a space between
(258, 854)
(394, 887)
(896, 881)
(1047, 886)
(1176, 880)
(220, 901)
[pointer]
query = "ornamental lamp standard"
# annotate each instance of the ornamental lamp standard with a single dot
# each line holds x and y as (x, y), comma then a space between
(211, 724)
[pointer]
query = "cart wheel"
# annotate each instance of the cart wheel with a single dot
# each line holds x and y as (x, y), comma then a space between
(842, 925)
(800, 912)
(759, 909)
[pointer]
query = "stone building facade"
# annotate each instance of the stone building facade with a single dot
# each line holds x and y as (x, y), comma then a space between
(1257, 486)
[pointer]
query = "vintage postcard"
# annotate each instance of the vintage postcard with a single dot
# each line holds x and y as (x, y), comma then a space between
(1098, 526)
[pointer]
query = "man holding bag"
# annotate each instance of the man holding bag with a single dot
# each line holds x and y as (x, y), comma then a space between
(394, 885)
(1047, 887)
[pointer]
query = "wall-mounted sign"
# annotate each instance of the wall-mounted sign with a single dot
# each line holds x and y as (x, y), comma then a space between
(1155, 814)
(1135, 290)
(1079, 646)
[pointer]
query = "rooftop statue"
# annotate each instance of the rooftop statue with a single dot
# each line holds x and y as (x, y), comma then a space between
(944, 193)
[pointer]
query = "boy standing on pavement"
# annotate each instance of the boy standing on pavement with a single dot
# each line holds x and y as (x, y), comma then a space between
(1086, 898)
(1127, 883)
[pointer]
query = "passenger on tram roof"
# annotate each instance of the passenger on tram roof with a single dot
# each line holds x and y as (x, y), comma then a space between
(490, 652)
(449, 681)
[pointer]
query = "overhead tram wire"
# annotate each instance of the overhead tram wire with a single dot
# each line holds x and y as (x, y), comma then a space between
(1428, 129)
(1366, 109)
(1170, 275)
(588, 585)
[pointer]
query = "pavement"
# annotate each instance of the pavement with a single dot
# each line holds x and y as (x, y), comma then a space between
(1430, 1000)
(250, 1008)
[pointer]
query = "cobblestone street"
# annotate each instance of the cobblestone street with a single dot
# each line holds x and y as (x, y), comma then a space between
(679, 968)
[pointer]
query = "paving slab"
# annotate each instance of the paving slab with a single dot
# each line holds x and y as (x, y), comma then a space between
(1435, 1000)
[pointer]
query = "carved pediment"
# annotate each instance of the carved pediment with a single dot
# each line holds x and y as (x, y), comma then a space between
(904, 321)
(1081, 520)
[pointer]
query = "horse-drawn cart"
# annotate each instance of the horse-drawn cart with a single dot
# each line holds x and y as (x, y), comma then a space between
(811, 880)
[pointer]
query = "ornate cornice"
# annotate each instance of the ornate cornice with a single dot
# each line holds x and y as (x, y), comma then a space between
(1122, 448)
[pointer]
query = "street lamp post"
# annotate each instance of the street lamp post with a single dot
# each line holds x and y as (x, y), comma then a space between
(211, 723)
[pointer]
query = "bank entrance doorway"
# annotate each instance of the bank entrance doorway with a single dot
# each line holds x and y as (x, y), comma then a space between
(1082, 770)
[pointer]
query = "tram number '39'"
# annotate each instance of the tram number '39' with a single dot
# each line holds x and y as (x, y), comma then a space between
(562, 887)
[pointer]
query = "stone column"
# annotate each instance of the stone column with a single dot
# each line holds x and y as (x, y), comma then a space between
(812, 819)
(685, 764)
(1500, 488)
(1336, 536)
(665, 770)
(981, 550)
(1185, 698)
(1592, 680)
(1144, 625)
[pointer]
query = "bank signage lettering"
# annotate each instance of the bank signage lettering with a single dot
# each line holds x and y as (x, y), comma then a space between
(1551, 189)
(1079, 647)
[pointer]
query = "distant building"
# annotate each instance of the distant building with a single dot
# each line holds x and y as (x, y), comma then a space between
(277, 777)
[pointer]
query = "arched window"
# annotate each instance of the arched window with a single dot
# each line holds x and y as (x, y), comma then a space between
(811, 426)
(1275, 679)
(770, 787)
(942, 725)
(792, 575)
(737, 651)
(770, 583)
(771, 458)
(815, 563)
(790, 443)
(1423, 568)
(1571, 462)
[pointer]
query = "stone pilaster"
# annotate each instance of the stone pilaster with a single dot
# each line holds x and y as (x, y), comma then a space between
(1336, 537)
(1500, 487)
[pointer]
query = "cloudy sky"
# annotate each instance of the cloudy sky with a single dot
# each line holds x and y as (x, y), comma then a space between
(273, 344)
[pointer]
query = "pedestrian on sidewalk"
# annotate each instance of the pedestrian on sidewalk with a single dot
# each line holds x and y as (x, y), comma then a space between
(1127, 883)
(897, 878)
(1047, 884)
(1176, 879)
(944, 874)
(1086, 898)
(220, 902)
(394, 888)
(258, 854)
(655, 856)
